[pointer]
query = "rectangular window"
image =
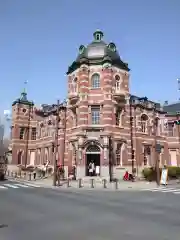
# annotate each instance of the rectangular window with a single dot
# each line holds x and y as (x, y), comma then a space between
(33, 134)
(170, 129)
(95, 114)
(22, 133)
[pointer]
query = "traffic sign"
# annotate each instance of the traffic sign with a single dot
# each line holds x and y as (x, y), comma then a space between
(158, 148)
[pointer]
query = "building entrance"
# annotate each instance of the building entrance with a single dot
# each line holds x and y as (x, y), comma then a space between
(92, 156)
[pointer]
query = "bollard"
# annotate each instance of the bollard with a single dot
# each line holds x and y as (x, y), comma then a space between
(92, 183)
(15, 174)
(80, 183)
(12, 174)
(24, 175)
(8, 173)
(19, 174)
(68, 183)
(116, 183)
(104, 183)
(29, 177)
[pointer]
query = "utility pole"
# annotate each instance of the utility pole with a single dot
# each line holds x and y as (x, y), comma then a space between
(65, 115)
(156, 151)
(27, 134)
(56, 144)
(131, 133)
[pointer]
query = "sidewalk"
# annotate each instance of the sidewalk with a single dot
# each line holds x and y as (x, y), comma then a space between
(87, 185)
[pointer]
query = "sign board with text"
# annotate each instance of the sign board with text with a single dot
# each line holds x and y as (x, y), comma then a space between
(164, 176)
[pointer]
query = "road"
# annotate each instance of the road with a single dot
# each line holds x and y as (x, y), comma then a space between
(39, 213)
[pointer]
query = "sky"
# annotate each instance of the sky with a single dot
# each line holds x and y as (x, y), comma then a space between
(39, 39)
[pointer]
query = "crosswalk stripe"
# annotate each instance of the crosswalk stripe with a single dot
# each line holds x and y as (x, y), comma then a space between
(163, 189)
(170, 190)
(10, 185)
(32, 185)
(21, 185)
(3, 187)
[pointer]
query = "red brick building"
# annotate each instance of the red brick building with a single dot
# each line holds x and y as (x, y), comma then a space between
(101, 121)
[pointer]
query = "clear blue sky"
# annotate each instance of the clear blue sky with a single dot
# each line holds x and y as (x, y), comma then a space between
(40, 38)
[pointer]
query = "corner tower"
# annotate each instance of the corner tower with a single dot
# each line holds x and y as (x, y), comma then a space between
(22, 110)
(98, 83)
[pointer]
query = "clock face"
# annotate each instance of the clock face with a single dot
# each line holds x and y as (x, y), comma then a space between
(81, 49)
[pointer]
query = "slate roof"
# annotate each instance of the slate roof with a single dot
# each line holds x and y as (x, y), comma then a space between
(172, 109)
(98, 52)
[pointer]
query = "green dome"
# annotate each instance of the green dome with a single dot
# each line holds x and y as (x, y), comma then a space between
(98, 52)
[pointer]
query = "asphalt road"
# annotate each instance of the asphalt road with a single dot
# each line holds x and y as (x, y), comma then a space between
(39, 213)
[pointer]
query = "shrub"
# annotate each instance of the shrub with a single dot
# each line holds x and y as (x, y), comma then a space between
(150, 173)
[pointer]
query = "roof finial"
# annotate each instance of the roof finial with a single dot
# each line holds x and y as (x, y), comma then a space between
(24, 92)
(25, 84)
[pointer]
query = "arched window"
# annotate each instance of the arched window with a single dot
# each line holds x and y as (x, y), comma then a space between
(118, 82)
(95, 81)
(93, 148)
(74, 85)
(144, 119)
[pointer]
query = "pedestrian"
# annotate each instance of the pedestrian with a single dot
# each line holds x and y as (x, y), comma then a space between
(91, 168)
(97, 170)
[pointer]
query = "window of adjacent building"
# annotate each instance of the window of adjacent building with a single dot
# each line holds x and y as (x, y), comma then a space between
(33, 134)
(95, 81)
(22, 133)
(170, 129)
(95, 114)
(144, 119)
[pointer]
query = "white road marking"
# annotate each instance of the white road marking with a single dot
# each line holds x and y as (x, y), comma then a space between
(10, 185)
(163, 190)
(3, 187)
(21, 185)
(32, 185)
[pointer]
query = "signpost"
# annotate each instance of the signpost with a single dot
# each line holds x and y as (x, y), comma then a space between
(158, 151)
(164, 176)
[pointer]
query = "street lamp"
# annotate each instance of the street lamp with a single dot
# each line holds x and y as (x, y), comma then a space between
(56, 144)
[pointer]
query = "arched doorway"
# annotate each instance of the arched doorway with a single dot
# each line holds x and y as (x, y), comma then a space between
(92, 155)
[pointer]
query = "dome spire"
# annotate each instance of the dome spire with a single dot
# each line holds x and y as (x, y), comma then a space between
(24, 92)
(98, 35)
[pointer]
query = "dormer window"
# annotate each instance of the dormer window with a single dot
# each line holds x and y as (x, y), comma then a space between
(98, 35)
(112, 47)
(81, 49)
